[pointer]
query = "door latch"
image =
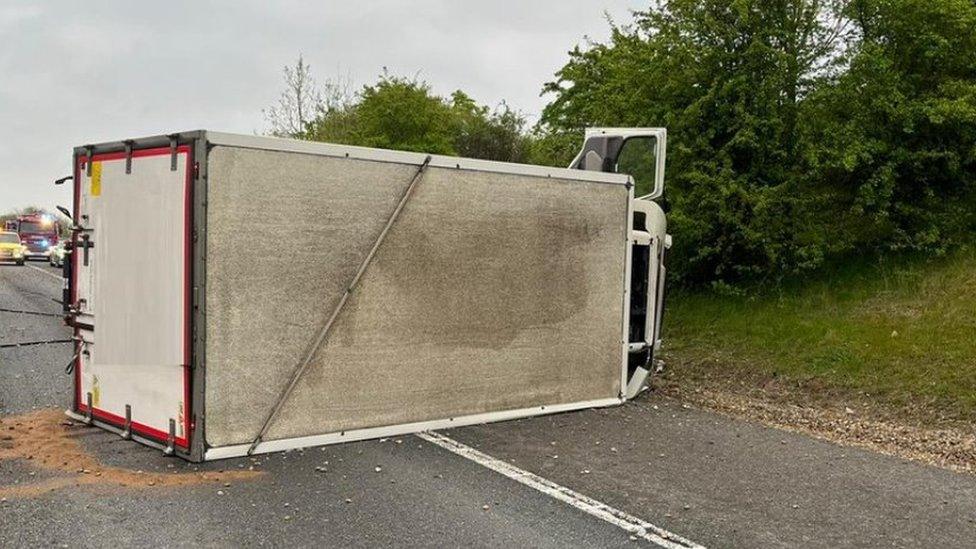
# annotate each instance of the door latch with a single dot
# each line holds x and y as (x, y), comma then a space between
(86, 244)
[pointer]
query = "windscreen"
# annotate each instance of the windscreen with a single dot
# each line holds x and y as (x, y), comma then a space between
(33, 227)
(8, 238)
(638, 158)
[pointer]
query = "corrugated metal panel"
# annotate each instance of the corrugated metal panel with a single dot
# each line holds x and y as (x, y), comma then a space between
(493, 291)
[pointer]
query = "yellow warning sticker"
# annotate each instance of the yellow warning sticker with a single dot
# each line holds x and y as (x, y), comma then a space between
(96, 390)
(96, 179)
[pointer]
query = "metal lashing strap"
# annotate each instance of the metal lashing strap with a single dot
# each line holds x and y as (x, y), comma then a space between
(127, 426)
(173, 142)
(86, 245)
(324, 332)
(89, 158)
(171, 438)
(128, 155)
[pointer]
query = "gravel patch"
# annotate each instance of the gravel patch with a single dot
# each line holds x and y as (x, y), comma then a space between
(949, 448)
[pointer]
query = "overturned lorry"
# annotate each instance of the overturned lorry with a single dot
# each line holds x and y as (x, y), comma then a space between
(234, 294)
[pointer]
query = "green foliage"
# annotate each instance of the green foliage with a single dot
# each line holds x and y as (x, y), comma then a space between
(893, 139)
(799, 130)
(490, 135)
(404, 114)
(555, 148)
(400, 114)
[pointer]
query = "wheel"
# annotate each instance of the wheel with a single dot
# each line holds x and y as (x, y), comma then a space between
(20, 262)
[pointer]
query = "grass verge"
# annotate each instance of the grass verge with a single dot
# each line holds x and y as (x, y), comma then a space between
(896, 338)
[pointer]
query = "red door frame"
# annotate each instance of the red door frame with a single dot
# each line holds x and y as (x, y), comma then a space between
(102, 415)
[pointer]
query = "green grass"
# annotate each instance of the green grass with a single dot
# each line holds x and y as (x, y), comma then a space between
(901, 332)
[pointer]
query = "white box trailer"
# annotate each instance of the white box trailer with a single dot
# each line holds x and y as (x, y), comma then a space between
(235, 294)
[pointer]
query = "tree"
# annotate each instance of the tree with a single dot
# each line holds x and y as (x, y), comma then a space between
(892, 140)
(303, 101)
(491, 135)
(727, 80)
(405, 114)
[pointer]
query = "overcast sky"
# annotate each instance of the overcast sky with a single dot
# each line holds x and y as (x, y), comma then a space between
(80, 72)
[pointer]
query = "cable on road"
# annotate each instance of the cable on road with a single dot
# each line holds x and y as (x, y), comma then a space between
(22, 312)
(32, 343)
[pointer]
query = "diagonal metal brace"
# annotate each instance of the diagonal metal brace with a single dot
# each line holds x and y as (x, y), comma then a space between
(299, 370)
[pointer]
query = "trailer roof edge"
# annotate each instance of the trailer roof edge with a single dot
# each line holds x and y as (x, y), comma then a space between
(144, 142)
(384, 155)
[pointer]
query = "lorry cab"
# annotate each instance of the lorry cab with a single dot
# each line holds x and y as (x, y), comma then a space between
(640, 153)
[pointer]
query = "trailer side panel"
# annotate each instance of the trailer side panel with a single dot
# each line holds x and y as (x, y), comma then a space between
(492, 291)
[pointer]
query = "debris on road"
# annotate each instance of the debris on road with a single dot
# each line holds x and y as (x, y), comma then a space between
(51, 444)
(949, 448)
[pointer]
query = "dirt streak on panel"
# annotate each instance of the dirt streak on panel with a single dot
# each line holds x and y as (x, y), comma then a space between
(463, 273)
(491, 292)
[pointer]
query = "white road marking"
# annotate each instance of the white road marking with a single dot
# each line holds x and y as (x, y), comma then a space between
(634, 526)
(59, 278)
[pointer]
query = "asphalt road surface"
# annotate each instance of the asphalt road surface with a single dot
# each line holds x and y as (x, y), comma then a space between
(715, 481)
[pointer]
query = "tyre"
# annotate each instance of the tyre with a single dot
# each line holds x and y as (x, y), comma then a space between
(20, 262)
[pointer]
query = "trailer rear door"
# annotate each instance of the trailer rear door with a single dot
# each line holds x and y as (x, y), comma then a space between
(132, 300)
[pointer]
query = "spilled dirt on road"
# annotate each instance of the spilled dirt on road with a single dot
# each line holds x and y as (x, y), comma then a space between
(47, 441)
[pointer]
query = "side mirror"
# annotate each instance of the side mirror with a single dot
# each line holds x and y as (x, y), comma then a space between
(63, 179)
(65, 211)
